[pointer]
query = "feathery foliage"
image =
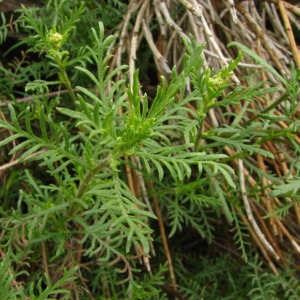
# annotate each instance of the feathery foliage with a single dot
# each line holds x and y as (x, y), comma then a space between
(76, 220)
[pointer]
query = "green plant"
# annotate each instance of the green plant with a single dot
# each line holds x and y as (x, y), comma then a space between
(265, 285)
(87, 199)
(73, 224)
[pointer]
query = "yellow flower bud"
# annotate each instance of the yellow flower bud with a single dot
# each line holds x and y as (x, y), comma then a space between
(55, 40)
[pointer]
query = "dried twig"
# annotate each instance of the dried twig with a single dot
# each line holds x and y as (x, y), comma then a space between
(32, 98)
(251, 219)
(290, 34)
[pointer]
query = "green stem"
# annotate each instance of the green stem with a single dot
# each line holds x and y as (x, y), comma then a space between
(90, 175)
(273, 105)
(67, 83)
(82, 188)
(199, 136)
(64, 76)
